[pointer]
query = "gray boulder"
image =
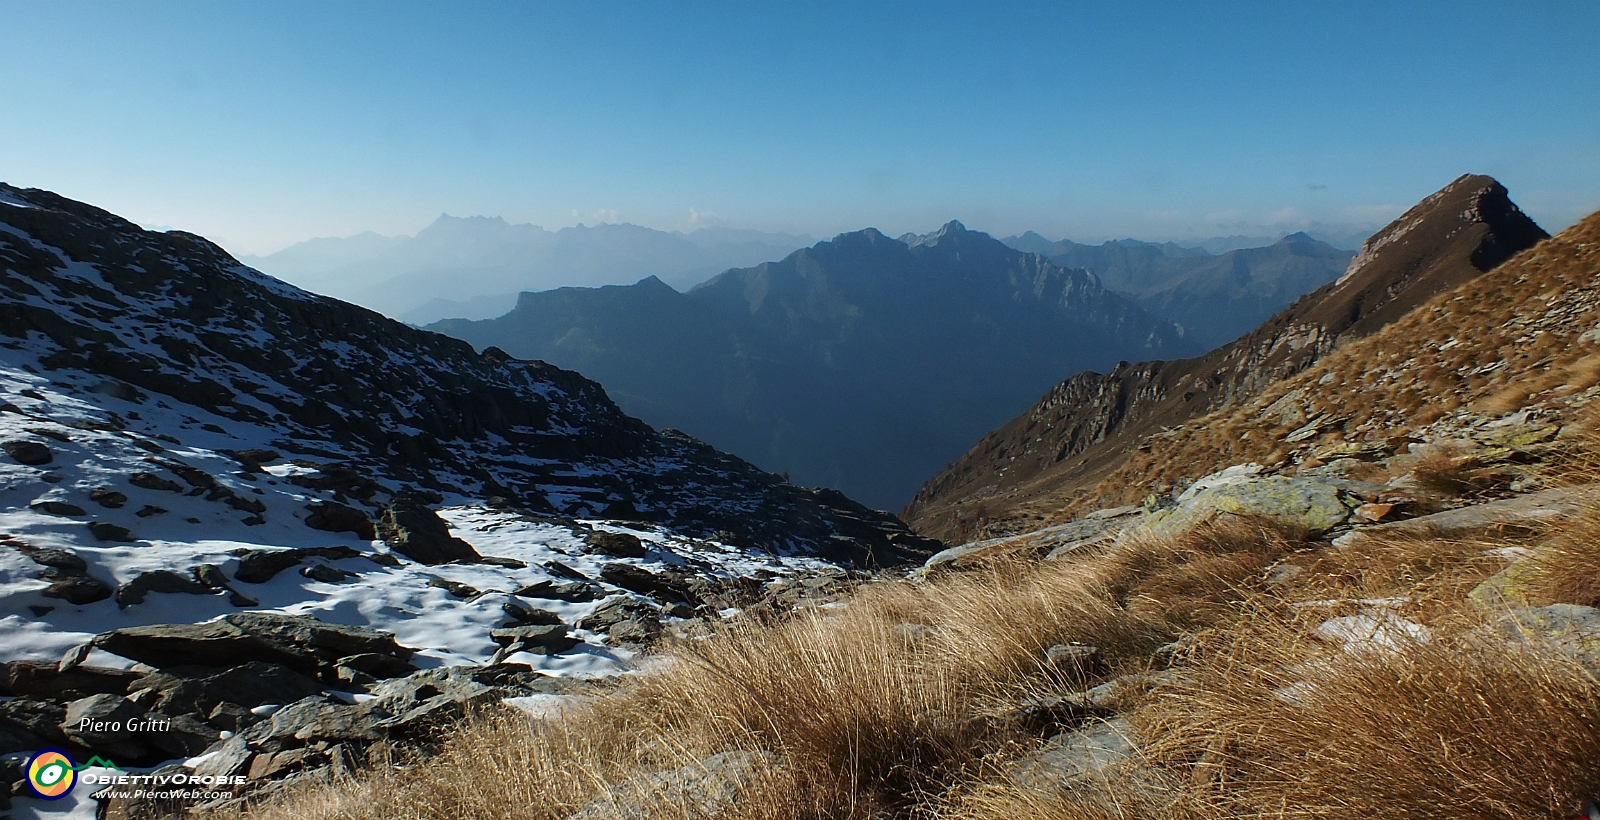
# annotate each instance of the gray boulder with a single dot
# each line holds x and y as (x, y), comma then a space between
(1315, 505)
(1087, 754)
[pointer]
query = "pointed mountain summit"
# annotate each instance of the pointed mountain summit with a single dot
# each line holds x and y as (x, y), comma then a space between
(862, 362)
(1014, 476)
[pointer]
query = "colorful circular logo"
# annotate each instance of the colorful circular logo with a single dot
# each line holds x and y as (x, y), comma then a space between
(50, 774)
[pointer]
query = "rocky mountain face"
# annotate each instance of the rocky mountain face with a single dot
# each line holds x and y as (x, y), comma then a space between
(169, 319)
(862, 363)
(1088, 424)
(474, 266)
(1216, 298)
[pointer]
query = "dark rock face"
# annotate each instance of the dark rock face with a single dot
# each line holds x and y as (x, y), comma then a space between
(1088, 422)
(331, 516)
(161, 580)
(418, 533)
(616, 545)
(31, 453)
(378, 403)
(58, 508)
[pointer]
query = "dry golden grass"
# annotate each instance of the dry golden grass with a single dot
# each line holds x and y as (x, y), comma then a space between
(895, 705)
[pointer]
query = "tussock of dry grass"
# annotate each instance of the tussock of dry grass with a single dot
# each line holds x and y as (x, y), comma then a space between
(894, 706)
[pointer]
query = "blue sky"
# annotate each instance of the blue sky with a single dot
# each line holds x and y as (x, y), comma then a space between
(261, 124)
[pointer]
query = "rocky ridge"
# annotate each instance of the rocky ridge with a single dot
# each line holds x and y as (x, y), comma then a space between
(1089, 424)
(133, 314)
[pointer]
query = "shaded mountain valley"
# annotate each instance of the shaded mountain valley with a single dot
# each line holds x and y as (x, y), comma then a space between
(863, 363)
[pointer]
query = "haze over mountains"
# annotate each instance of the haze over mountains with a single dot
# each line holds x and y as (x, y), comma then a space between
(1214, 297)
(863, 362)
(474, 266)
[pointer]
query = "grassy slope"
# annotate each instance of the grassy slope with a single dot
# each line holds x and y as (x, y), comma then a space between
(902, 703)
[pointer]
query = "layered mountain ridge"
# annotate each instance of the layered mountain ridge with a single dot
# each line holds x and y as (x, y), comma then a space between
(863, 362)
(1021, 473)
(1216, 298)
(131, 319)
(475, 266)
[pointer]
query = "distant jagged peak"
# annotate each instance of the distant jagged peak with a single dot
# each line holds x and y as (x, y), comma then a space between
(952, 230)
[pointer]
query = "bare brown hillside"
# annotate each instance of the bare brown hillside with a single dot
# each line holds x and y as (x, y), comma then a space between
(1523, 338)
(1016, 477)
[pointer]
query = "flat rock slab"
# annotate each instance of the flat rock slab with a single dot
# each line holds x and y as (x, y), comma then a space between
(1531, 510)
(301, 643)
(1077, 756)
(1092, 528)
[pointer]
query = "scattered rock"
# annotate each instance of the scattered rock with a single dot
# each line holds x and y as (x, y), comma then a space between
(417, 532)
(326, 574)
(547, 638)
(561, 570)
(616, 544)
(257, 566)
(150, 509)
(465, 592)
(576, 592)
(108, 498)
(526, 616)
(331, 516)
(151, 481)
(75, 588)
(161, 580)
(645, 582)
(57, 508)
(56, 557)
(1566, 627)
(106, 531)
(31, 453)
(103, 723)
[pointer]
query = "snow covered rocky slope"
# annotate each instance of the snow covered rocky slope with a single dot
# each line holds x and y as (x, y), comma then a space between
(186, 440)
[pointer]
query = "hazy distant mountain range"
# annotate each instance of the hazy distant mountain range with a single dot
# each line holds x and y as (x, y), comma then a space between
(864, 363)
(1215, 298)
(475, 266)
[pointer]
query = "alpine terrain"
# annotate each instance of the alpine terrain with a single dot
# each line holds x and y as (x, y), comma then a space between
(863, 363)
(224, 499)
